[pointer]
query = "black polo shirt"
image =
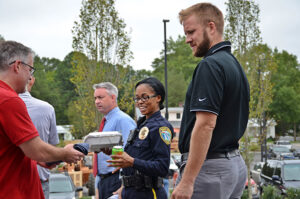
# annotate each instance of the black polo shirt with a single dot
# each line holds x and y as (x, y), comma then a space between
(219, 86)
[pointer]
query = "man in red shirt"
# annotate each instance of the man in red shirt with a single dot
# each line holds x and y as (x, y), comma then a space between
(20, 145)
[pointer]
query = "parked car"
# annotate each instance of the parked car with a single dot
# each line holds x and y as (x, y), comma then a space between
(255, 172)
(254, 190)
(61, 186)
(173, 167)
(284, 143)
(280, 152)
(176, 157)
(297, 153)
(282, 174)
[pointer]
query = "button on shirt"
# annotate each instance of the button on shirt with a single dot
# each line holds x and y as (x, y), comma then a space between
(116, 120)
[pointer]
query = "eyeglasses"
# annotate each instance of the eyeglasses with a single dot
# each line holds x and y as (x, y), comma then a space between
(32, 69)
(144, 98)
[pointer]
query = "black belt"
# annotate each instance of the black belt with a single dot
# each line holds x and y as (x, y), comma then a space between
(142, 181)
(229, 154)
(102, 176)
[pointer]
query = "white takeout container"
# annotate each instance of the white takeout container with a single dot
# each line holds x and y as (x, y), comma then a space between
(100, 140)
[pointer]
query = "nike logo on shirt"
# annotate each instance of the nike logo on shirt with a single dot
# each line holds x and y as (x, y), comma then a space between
(202, 99)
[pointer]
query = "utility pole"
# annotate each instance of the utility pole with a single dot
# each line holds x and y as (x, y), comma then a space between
(166, 71)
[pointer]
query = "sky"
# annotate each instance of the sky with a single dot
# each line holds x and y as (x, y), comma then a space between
(45, 25)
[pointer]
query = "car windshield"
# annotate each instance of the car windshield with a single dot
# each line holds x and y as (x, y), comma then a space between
(283, 143)
(281, 149)
(58, 185)
(291, 172)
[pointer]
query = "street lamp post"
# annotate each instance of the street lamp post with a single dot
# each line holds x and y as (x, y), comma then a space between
(166, 71)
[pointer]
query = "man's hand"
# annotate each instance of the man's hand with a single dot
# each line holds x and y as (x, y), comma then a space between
(71, 154)
(184, 190)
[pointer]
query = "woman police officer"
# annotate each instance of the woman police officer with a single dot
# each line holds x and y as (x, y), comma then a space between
(147, 153)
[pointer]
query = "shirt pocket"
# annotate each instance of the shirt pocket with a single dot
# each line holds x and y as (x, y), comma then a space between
(141, 147)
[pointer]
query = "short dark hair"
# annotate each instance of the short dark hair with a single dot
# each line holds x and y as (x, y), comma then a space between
(156, 86)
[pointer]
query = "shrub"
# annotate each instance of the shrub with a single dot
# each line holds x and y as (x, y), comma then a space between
(292, 194)
(245, 194)
(270, 192)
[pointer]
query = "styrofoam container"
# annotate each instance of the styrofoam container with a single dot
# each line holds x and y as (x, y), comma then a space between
(100, 140)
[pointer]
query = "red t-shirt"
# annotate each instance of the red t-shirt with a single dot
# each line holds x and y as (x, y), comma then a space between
(18, 174)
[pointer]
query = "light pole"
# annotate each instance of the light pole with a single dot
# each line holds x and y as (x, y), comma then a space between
(166, 71)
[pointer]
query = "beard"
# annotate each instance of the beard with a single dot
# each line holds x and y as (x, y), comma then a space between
(203, 47)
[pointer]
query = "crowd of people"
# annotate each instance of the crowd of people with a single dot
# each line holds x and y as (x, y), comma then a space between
(215, 117)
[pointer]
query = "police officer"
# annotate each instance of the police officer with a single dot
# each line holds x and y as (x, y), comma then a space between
(147, 153)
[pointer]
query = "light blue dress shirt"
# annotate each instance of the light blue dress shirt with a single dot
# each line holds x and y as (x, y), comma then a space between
(116, 120)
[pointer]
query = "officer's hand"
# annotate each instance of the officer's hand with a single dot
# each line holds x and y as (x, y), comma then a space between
(183, 191)
(121, 161)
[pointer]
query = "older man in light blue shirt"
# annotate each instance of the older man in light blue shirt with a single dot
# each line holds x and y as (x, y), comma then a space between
(43, 117)
(106, 95)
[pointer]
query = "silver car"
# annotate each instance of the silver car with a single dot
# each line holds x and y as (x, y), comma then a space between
(61, 186)
(255, 172)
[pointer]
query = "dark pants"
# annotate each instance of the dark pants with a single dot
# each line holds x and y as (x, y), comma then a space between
(109, 185)
(131, 193)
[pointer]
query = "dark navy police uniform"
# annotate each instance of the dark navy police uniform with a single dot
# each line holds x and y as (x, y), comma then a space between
(149, 145)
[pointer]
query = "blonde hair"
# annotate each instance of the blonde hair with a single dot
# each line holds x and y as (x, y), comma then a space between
(206, 12)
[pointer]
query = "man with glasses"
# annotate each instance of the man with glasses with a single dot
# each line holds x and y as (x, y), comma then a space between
(43, 117)
(114, 119)
(21, 148)
(32, 69)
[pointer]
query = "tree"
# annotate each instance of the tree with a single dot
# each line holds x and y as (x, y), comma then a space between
(66, 89)
(242, 30)
(286, 91)
(181, 64)
(263, 67)
(45, 86)
(2, 38)
(101, 34)
(242, 25)
(103, 52)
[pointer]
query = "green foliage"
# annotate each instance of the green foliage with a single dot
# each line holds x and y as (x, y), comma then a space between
(292, 194)
(245, 194)
(103, 52)
(2, 38)
(270, 192)
(100, 33)
(286, 91)
(242, 28)
(66, 89)
(254, 147)
(180, 64)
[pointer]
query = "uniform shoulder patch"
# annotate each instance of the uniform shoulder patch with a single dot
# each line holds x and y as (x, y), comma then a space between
(165, 134)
